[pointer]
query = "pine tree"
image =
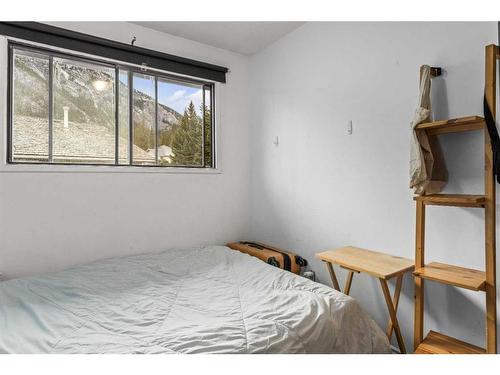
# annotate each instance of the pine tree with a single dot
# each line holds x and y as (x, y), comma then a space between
(207, 124)
(186, 143)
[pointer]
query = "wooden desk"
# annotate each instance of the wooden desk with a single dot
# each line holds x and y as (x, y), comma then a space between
(379, 265)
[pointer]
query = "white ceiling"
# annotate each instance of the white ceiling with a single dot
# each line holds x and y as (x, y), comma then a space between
(242, 37)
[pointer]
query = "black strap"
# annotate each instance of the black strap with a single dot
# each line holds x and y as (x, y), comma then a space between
(494, 138)
(286, 258)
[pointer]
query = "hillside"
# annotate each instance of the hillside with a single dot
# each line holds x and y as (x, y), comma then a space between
(73, 88)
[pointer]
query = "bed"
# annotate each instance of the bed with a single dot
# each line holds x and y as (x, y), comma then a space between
(200, 300)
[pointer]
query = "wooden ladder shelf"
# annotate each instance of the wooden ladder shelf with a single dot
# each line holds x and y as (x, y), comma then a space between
(480, 281)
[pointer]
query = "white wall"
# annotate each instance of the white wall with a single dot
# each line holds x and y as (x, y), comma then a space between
(49, 221)
(321, 188)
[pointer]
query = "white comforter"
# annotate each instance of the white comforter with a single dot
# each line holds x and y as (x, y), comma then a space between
(204, 300)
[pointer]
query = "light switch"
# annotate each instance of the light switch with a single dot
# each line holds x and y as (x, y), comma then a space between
(349, 127)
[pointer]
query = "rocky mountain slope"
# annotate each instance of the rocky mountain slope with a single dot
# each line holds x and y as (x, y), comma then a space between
(73, 88)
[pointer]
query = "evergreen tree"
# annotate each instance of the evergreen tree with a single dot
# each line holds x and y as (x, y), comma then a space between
(207, 124)
(186, 142)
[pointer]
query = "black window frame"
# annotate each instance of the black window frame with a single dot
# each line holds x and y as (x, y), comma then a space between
(116, 66)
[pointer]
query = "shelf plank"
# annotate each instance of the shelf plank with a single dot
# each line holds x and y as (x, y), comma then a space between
(437, 343)
(452, 275)
(462, 124)
(457, 200)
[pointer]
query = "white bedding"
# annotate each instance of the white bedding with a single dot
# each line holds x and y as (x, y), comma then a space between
(204, 300)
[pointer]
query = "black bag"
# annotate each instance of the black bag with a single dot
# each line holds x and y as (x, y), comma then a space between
(494, 138)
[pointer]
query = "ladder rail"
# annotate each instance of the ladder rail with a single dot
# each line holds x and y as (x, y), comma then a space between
(418, 334)
(490, 205)
(418, 329)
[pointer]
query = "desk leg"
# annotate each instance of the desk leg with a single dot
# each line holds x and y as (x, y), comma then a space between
(392, 315)
(335, 282)
(347, 286)
(395, 301)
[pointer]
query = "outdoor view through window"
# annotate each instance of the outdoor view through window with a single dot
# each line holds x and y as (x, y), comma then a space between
(69, 110)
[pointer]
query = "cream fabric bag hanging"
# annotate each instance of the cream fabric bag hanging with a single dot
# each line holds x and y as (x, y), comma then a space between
(428, 174)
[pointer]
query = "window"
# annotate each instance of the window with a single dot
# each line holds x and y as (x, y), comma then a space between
(65, 109)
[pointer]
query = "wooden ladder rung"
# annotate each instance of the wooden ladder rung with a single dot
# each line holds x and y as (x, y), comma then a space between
(452, 275)
(457, 200)
(437, 343)
(462, 124)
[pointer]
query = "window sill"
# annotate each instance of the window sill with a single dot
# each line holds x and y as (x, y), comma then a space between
(46, 168)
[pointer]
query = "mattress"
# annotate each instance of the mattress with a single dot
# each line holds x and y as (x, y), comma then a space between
(200, 300)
